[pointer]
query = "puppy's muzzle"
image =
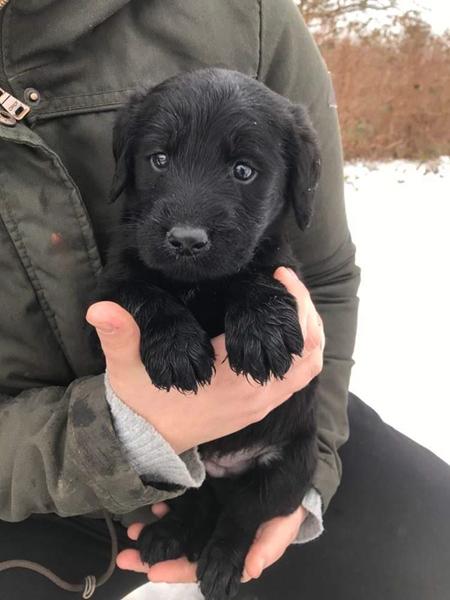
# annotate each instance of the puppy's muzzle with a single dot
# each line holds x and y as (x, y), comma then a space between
(183, 240)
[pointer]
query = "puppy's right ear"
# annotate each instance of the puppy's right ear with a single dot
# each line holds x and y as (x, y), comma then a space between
(123, 136)
(304, 171)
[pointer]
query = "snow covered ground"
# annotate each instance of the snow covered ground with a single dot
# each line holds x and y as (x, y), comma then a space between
(164, 591)
(399, 216)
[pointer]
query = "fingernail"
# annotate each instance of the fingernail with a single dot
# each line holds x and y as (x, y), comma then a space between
(261, 565)
(105, 328)
(245, 577)
(322, 341)
(291, 272)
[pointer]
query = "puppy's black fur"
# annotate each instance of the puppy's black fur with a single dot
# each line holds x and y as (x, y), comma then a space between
(210, 163)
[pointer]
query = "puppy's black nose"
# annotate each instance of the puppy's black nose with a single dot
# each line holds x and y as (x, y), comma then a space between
(187, 240)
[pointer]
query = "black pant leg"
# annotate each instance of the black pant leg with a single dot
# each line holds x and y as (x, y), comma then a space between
(387, 530)
(72, 548)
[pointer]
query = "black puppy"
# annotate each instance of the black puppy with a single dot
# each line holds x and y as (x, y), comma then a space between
(211, 163)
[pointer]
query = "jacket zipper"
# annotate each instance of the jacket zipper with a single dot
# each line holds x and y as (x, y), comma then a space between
(12, 110)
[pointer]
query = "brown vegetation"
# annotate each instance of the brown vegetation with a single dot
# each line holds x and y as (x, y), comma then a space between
(393, 89)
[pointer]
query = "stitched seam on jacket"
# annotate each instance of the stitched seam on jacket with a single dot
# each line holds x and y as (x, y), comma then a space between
(91, 94)
(258, 68)
(6, 37)
(74, 110)
(93, 258)
(3, 72)
(56, 107)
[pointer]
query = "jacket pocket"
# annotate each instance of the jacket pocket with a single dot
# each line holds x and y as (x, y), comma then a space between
(46, 221)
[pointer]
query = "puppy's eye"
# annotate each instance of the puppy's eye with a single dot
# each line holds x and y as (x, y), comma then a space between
(159, 161)
(244, 172)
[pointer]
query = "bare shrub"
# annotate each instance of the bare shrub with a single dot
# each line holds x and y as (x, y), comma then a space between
(393, 89)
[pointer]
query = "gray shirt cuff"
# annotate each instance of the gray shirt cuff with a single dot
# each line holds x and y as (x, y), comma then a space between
(312, 526)
(150, 455)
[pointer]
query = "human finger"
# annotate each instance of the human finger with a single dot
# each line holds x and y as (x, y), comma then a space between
(134, 530)
(160, 509)
(118, 333)
(130, 560)
(271, 541)
(179, 570)
(298, 289)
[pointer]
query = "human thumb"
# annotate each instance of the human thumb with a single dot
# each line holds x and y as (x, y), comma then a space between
(118, 333)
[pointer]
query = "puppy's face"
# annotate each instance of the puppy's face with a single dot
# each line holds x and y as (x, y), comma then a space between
(208, 160)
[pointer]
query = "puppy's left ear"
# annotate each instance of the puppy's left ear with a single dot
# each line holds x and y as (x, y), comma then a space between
(304, 165)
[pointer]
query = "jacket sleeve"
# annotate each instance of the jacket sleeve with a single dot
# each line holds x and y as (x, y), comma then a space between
(291, 65)
(60, 453)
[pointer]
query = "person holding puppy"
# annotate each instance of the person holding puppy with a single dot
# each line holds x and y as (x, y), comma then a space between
(70, 447)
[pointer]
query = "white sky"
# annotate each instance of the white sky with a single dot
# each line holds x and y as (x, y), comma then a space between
(435, 12)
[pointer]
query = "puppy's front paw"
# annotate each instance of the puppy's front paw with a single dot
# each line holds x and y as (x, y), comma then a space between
(172, 537)
(163, 540)
(176, 352)
(262, 338)
(219, 571)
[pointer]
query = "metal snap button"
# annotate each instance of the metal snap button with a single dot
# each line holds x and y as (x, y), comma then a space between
(32, 95)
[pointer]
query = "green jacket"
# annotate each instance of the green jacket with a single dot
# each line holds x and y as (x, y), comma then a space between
(59, 452)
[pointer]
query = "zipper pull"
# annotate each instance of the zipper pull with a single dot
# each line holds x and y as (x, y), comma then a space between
(12, 110)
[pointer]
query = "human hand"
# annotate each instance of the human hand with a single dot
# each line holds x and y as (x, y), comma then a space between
(270, 543)
(230, 403)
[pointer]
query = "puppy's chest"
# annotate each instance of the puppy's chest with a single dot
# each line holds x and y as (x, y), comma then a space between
(240, 461)
(208, 306)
